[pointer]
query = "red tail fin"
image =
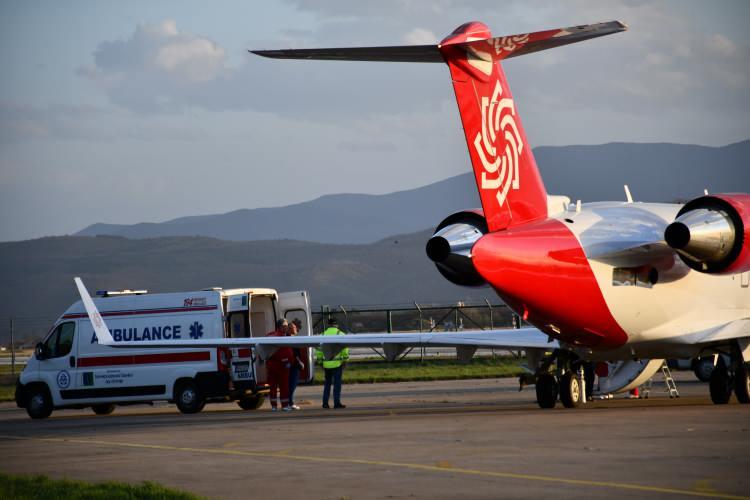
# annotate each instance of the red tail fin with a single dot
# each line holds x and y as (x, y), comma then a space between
(510, 187)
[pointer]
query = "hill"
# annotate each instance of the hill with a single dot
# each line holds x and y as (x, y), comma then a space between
(38, 274)
(654, 172)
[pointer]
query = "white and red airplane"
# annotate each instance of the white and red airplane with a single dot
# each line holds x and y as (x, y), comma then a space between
(598, 281)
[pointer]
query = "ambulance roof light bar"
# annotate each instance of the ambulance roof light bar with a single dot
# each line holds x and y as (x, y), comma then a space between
(117, 293)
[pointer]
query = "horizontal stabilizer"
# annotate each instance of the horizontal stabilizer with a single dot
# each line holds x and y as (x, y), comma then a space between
(403, 53)
(506, 46)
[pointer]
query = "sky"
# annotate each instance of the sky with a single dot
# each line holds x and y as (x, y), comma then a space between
(143, 111)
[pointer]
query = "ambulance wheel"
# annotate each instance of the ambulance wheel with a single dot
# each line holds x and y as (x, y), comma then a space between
(742, 383)
(39, 402)
(570, 390)
(251, 402)
(103, 409)
(546, 390)
(720, 385)
(188, 397)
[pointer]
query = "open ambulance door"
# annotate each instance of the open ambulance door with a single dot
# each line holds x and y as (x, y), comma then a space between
(296, 305)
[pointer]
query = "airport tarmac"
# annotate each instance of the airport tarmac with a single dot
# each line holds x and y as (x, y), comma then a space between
(471, 438)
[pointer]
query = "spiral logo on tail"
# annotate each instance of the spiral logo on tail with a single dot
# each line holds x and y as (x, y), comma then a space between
(499, 145)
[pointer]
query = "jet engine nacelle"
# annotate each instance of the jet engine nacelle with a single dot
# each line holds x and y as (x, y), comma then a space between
(711, 234)
(450, 247)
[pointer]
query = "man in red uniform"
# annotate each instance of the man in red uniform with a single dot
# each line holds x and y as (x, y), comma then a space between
(277, 368)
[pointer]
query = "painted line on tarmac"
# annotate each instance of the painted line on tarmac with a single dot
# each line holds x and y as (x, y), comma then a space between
(387, 463)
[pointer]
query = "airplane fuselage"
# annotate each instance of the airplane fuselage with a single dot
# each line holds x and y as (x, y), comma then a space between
(602, 280)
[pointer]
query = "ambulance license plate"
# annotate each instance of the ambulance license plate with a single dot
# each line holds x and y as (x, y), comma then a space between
(241, 369)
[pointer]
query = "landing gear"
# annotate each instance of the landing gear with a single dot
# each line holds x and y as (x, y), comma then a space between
(720, 385)
(573, 382)
(742, 383)
(546, 390)
(725, 379)
(571, 390)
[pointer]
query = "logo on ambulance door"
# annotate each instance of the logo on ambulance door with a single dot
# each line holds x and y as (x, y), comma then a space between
(63, 379)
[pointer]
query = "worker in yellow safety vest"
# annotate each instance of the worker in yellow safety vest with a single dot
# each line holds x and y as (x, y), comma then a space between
(333, 369)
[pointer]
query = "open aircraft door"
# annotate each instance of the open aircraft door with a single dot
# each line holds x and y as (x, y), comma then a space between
(296, 305)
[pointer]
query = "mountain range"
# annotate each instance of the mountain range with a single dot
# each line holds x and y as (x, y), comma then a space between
(654, 172)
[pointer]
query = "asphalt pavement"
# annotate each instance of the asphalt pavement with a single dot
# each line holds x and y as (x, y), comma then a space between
(472, 438)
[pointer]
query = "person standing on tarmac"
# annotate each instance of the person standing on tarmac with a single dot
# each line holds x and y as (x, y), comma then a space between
(297, 363)
(277, 367)
(333, 368)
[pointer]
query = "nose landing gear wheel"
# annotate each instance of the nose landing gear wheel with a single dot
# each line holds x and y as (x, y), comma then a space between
(546, 390)
(571, 394)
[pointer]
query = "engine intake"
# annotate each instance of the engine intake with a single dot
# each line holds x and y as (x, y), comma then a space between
(450, 247)
(710, 234)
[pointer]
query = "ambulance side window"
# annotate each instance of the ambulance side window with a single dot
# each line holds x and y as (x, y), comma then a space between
(299, 314)
(237, 325)
(61, 341)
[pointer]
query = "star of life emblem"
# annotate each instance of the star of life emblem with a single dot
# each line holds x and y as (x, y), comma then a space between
(499, 145)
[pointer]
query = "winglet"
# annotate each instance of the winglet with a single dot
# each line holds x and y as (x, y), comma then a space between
(102, 332)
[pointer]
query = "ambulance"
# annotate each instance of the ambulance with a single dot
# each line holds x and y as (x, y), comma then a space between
(70, 369)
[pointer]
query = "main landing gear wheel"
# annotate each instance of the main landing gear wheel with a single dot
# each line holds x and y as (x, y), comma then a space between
(546, 390)
(571, 393)
(702, 368)
(720, 385)
(742, 383)
(251, 402)
(188, 397)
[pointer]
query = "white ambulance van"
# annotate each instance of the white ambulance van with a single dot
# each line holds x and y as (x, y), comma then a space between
(71, 370)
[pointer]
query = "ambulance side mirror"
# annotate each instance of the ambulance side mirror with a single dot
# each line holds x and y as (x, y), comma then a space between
(39, 351)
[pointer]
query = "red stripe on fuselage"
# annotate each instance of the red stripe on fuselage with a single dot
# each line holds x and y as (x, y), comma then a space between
(541, 271)
(144, 359)
(169, 310)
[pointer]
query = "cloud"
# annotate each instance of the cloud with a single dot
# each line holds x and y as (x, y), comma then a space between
(420, 36)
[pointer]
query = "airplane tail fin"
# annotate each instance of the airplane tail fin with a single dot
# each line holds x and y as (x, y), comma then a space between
(509, 183)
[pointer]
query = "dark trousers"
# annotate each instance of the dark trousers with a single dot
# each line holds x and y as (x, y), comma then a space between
(293, 381)
(333, 376)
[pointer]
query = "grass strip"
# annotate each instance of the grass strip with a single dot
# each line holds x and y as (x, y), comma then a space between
(18, 487)
(410, 370)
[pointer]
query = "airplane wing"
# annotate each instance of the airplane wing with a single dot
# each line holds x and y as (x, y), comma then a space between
(393, 344)
(734, 330)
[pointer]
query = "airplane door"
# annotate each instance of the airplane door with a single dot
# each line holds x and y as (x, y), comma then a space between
(296, 305)
(58, 364)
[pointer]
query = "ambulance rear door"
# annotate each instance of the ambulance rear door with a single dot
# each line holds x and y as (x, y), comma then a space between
(238, 326)
(296, 305)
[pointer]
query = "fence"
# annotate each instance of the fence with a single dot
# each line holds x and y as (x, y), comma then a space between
(23, 332)
(417, 318)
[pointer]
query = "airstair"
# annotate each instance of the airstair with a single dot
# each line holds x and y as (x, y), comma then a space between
(671, 387)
